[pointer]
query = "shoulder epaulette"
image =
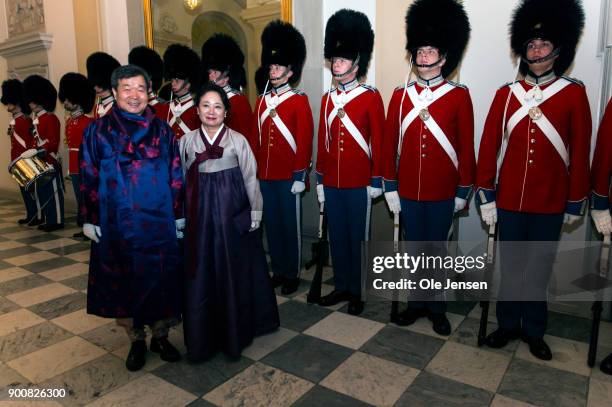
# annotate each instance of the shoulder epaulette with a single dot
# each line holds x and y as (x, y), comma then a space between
(298, 92)
(457, 84)
(505, 84)
(264, 94)
(368, 87)
(574, 80)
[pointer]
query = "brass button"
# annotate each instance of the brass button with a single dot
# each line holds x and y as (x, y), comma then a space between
(424, 136)
(342, 133)
(341, 149)
(423, 145)
(423, 155)
(341, 125)
(532, 141)
(271, 145)
(531, 151)
(530, 161)
(532, 131)
(425, 127)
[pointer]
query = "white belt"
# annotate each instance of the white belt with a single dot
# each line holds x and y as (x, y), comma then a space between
(176, 114)
(346, 120)
(19, 139)
(273, 103)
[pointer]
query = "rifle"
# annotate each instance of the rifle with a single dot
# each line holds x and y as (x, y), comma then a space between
(395, 302)
(320, 254)
(484, 304)
(597, 304)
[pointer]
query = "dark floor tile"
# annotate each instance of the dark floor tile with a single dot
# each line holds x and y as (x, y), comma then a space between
(308, 357)
(200, 403)
(38, 239)
(5, 265)
(7, 306)
(467, 334)
(47, 265)
(299, 316)
(30, 339)
(4, 239)
(18, 251)
(322, 396)
(73, 248)
(379, 311)
(200, 378)
(569, 326)
(78, 283)
(402, 346)
(22, 284)
(460, 307)
(60, 306)
(11, 229)
(543, 385)
(430, 390)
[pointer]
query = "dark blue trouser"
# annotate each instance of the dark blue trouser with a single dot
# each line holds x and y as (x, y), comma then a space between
(282, 217)
(427, 221)
(51, 200)
(348, 218)
(30, 204)
(76, 187)
(526, 269)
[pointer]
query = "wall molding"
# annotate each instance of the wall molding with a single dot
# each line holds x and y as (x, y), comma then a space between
(25, 44)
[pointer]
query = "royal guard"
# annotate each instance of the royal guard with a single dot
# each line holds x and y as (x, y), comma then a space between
(601, 171)
(20, 136)
(430, 128)
(182, 69)
(78, 97)
(100, 67)
(533, 163)
(42, 99)
(149, 60)
(349, 173)
(283, 129)
(222, 63)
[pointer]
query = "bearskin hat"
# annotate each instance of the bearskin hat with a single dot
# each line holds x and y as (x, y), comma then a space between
(222, 53)
(348, 34)
(558, 21)
(182, 62)
(40, 91)
(283, 44)
(77, 89)
(100, 67)
(149, 60)
(448, 31)
(12, 93)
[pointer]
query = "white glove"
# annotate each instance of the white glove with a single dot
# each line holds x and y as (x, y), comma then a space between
(92, 232)
(374, 192)
(602, 221)
(180, 226)
(488, 212)
(393, 201)
(459, 204)
(571, 219)
(255, 220)
(298, 187)
(320, 193)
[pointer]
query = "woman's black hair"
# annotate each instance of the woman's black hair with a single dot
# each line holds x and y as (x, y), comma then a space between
(211, 87)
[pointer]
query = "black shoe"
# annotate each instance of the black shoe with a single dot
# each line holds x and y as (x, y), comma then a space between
(36, 222)
(538, 347)
(355, 306)
(500, 338)
(277, 281)
(410, 315)
(166, 350)
(136, 359)
(51, 228)
(606, 365)
(441, 326)
(334, 298)
(23, 221)
(79, 235)
(290, 285)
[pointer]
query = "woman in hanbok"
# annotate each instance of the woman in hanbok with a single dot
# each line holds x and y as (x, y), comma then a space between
(228, 293)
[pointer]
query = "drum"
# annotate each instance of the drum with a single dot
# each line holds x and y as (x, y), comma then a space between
(30, 170)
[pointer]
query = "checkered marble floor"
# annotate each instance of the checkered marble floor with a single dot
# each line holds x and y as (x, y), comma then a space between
(319, 356)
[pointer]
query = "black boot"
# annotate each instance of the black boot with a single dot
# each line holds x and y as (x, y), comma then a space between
(277, 281)
(136, 359)
(290, 285)
(500, 338)
(355, 306)
(410, 315)
(334, 298)
(441, 326)
(166, 350)
(538, 347)
(23, 221)
(35, 222)
(606, 365)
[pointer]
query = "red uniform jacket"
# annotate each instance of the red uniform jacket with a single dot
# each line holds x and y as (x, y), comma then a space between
(276, 159)
(240, 116)
(601, 170)
(426, 172)
(189, 117)
(533, 177)
(75, 127)
(341, 162)
(20, 133)
(47, 125)
(103, 106)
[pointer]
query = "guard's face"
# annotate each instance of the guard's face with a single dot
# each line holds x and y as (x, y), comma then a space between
(179, 86)
(34, 107)
(69, 106)
(99, 90)
(540, 48)
(426, 56)
(131, 94)
(279, 74)
(11, 108)
(211, 110)
(218, 77)
(341, 65)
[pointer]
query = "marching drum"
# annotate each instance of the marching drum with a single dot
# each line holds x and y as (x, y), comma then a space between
(29, 170)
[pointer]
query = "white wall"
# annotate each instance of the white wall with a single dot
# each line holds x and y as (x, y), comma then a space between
(114, 28)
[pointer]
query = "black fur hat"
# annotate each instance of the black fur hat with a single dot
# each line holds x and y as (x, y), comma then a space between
(283, 44)
(100, 67)
(41, 91)
(442, 24)
(12, 93)
(77, 89)
(349, 34)
(149, 60)
(558, 21)
(222, 53)
(182, 62)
